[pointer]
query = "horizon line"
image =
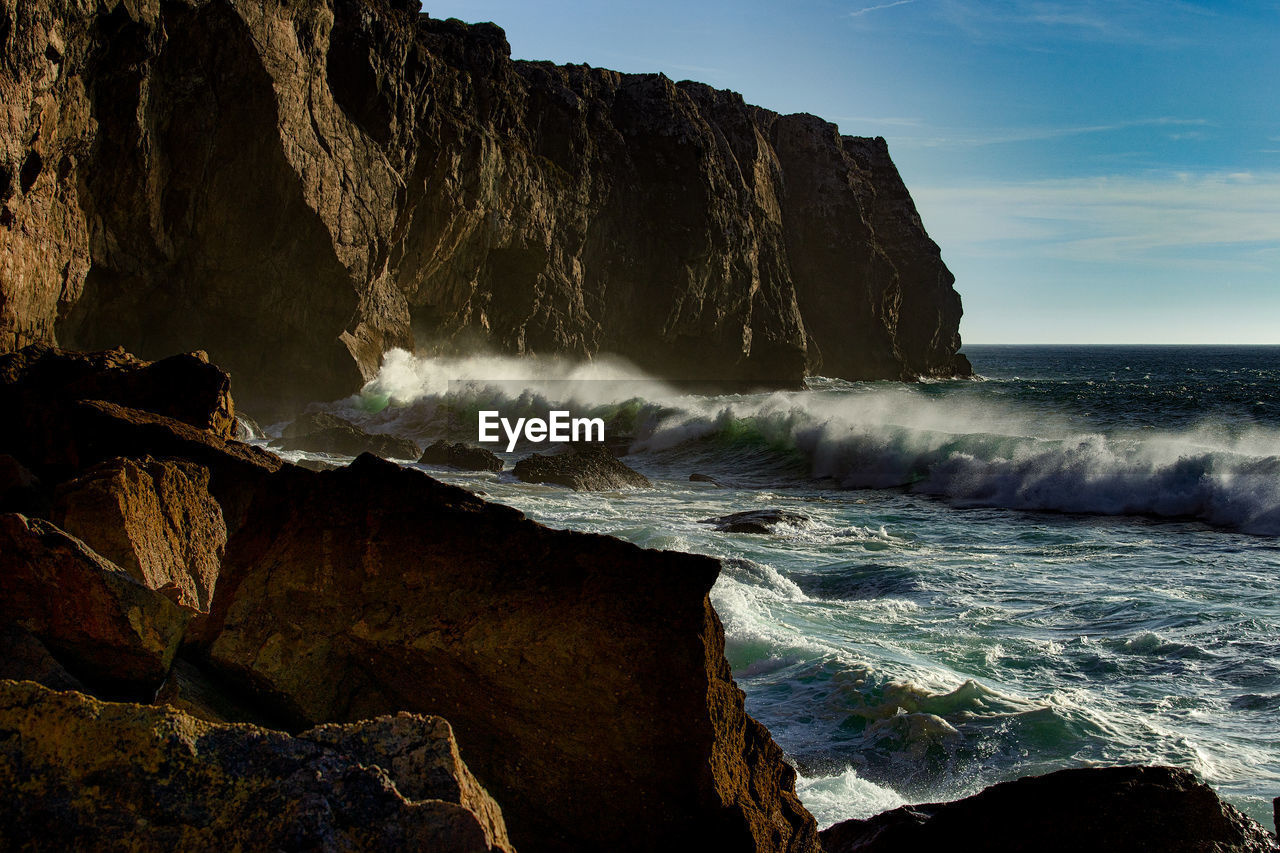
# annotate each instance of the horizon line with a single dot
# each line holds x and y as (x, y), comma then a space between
(1116, 344)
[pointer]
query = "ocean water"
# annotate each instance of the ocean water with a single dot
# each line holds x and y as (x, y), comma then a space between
(1072, 561)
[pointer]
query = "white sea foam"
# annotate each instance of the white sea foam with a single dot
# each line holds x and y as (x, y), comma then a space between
(844, 796)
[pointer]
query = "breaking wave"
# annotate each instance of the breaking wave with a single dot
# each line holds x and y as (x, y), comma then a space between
(977, 452)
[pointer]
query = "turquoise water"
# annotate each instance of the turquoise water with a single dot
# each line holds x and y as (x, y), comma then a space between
(1071, 562)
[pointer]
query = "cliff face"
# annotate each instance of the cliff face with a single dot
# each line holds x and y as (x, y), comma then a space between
(297, 188)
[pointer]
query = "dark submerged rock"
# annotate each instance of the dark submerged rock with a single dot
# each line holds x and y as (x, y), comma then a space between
(703, 478)
(1120, 809)
(756, 521)
(460, 455)
(583, 468)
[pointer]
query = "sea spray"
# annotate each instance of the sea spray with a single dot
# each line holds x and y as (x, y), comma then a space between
(931, 635)
(972, 451)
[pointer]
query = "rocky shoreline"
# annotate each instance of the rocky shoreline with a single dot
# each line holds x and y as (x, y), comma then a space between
(367, 658)
(203, 647)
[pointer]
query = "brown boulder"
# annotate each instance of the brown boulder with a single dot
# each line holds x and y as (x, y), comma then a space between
(583, 468)
(100, 431)
(153, 518)
(1121, 809)
(79, 773)
(107, 629)
(585, 677)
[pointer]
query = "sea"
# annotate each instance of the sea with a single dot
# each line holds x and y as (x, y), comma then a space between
(1071, 560)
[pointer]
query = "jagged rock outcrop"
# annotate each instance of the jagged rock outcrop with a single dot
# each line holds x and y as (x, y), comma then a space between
(583, 468)
(40, 386)
(298, 189)
(153, 518)
(60, 419)
(1130, 809)
(105, 627)
(167, 781)
(584, 677)
(460, 455)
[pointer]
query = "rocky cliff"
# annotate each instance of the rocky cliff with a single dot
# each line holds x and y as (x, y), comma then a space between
(583, 677)
(298, 187)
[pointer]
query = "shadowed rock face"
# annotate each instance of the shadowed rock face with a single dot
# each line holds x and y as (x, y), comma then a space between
(299, 188)
(585, 677)
(1131, 809)
(178, 783)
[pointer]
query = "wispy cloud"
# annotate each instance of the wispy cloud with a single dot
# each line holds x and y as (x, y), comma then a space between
(1001, 136)
(860, 12)
(1151, 22)
(1219, 219)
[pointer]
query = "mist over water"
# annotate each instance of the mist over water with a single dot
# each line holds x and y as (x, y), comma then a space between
(1071, 562)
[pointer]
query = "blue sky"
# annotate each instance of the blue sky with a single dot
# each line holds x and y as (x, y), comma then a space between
(1093, 171)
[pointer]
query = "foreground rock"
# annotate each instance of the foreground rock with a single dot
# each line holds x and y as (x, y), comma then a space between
(583, 468)
(154, 518)
(459, 455)
(671, 223)
(1120, 809)
(585, 677)
(756, 521)
(40, 386)
(325, 433)
(172, 782)
(107, 629)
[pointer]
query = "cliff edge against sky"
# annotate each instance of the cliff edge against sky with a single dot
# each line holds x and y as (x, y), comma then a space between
(298, 188)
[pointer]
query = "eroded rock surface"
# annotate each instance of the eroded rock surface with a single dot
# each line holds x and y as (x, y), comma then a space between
(105, 627)
(584, 677)
(154, 518)
(299, 188)
(79, 773)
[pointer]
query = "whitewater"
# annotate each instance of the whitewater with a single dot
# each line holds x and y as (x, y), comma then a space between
(1070, 561)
